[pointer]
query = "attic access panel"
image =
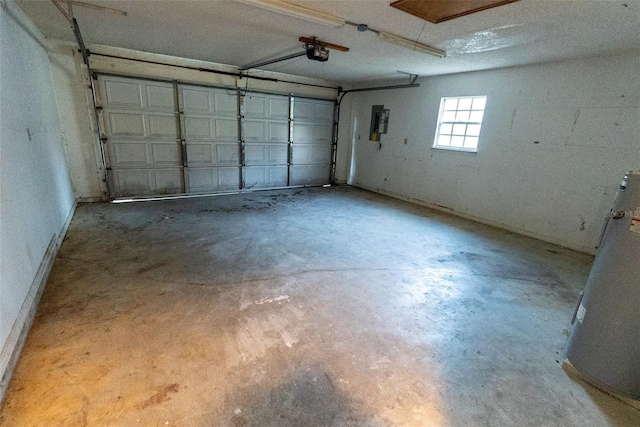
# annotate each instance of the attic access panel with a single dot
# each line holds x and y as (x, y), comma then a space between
(436, 11)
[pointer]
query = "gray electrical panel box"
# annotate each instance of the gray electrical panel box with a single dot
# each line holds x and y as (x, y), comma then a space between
(379, 122)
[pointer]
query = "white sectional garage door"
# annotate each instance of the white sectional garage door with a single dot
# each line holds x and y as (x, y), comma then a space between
(265, 129)
(167, 138)
(311, 142)
(210, 130)
(143, 146)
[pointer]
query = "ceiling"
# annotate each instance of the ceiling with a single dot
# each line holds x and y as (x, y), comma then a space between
(228, 32)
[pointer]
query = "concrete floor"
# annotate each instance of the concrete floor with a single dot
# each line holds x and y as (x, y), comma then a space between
(302, 307)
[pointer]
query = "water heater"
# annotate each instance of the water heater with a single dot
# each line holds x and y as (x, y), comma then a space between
(604, 345)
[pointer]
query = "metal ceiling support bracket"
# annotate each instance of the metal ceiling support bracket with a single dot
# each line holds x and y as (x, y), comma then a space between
(273, 61)
(69, 12)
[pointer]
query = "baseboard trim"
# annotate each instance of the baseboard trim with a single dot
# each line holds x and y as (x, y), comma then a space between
(548, 239)
(15, 342)
(91, 199)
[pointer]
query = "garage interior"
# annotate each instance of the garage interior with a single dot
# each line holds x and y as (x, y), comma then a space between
(256, 212)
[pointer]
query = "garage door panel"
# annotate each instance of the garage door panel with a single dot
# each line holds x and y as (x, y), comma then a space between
(201, 179)
(323, 112)
(229, 178)
(255, 154)
(279, 131)
(210, 179)
(255, 106)
(310, 154)
(265, 176)
(310, 174)
(263, 154)
(133, 182)
(227, 154)
(197, 128)
(302, 110)
(165, 154)
(122, 94)
(207, 128)
(279, 107)
(143, 153)
(322, 133)
(195, 100)
(160, 97)
(302, 133)
(313, 111)
(126, 153)
(163, 126)
(167, 181)
(312, 133)
(266, 106)
(255, 130)
(146, 182)
(145, 123)
(136, 94)
(213, 101)
(261, 130)
(226, 129)
(200, 154)
(278, 153)
(125, 124)
(226, 103)
(210, 128)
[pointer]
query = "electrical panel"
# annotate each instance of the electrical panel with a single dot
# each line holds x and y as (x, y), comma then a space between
(379, 122)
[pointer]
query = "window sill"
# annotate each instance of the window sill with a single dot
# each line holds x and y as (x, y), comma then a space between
(458, 149)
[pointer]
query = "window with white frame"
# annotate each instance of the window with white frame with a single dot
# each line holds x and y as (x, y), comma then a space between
(459, 123)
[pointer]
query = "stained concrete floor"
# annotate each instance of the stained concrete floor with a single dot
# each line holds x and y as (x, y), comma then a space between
(319, 307)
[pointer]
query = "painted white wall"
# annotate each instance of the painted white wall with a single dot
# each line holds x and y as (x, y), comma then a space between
(36, 196)
(584, 113)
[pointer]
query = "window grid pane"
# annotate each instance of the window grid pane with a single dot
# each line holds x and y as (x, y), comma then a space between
(459, 123)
